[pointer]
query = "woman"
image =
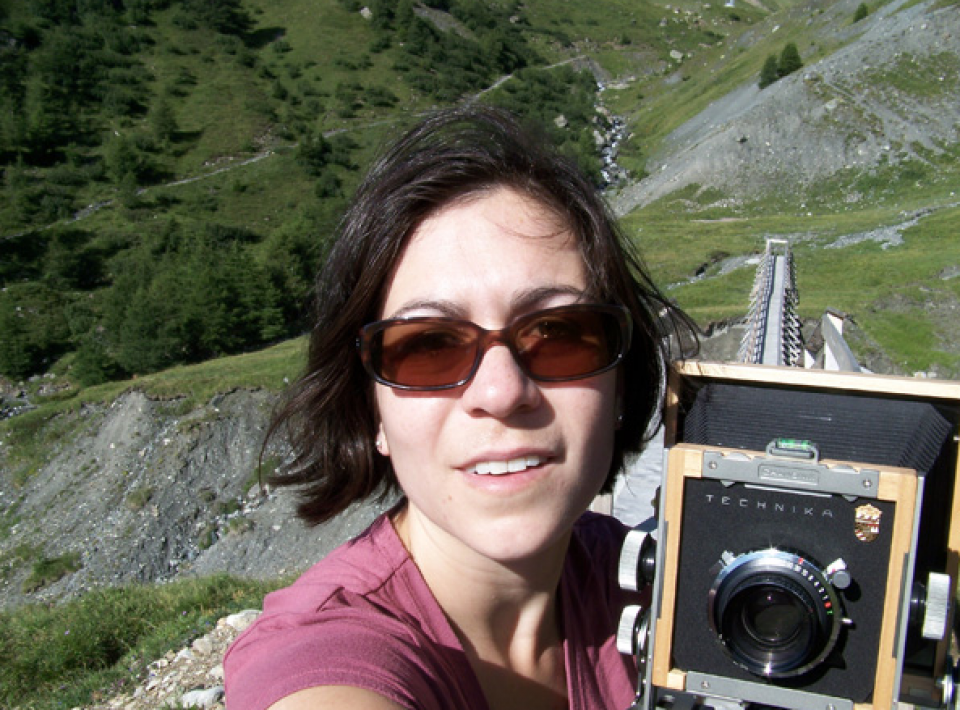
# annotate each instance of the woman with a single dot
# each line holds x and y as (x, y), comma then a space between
(485, 343)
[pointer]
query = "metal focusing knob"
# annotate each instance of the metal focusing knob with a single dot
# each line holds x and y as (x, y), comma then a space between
(948, 687)
(636, 569)
(930, 606)
(638, 561)
(633, 639)
(628, 630)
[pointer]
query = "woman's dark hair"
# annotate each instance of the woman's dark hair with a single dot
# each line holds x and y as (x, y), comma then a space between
(329, 415)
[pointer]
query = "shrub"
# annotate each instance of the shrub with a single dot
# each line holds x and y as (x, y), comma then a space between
(789, 60)
(313, 153)
(163, 121)
(138, 498)
(93, 364)
(861, 12)
(123, 156)
(48, 570)
(769, 74)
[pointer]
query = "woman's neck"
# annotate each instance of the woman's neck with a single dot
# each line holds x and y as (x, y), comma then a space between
(506, 613)
(506, 607)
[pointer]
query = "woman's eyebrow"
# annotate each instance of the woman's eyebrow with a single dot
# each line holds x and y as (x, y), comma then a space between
(522, 301)
(542, 295)
(441, 306)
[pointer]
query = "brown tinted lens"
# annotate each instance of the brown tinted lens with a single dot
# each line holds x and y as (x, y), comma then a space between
(556, 345)
(425, 353)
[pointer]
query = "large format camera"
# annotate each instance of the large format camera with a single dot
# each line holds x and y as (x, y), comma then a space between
(804, 556)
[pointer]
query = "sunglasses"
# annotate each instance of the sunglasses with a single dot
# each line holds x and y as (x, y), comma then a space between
(553, 345)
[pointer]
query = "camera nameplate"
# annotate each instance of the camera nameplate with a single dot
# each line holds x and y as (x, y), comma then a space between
(834, 478)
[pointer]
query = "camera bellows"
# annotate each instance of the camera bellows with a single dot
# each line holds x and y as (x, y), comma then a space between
(846, 427)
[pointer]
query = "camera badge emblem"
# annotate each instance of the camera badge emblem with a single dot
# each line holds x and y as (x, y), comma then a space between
(866, 524)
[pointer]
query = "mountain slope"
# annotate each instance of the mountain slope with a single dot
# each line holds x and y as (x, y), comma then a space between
(862, 142)
(885, 100)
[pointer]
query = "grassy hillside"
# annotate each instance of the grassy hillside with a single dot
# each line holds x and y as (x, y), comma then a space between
(88, 650)
(242, 128)
(172, 130)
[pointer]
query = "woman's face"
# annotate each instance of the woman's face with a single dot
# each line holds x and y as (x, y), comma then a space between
(489, 259)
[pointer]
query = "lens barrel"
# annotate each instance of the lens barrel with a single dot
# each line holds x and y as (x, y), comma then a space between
(775, 612)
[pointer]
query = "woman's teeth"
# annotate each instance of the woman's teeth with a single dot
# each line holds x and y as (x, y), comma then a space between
(499, 468)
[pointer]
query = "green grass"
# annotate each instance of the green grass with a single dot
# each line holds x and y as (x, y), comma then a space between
(18, 555)
(911, 75)
(896, 294)
(101, 644)
(230, 104)
(269, 369)
(215, 115)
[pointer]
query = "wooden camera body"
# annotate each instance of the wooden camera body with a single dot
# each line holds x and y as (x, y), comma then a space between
(807, 542)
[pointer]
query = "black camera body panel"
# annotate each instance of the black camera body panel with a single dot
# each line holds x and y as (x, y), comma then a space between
(740, 519)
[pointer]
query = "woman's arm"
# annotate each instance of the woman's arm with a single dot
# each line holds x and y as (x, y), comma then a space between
(335, 697)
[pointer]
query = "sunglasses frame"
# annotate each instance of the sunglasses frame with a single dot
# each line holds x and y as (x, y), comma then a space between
(491, 337)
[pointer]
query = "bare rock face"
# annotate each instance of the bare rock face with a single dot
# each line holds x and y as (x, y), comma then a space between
(147, 492)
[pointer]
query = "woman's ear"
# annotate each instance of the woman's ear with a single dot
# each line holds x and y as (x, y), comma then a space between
(383, 448)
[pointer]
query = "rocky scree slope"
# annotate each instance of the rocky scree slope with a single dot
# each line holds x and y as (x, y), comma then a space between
(146, 492)
(888, 96)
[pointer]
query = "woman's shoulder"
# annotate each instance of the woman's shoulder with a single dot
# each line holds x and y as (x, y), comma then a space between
(364, 577)
(361, 617)
(365, 565)
(373, 563)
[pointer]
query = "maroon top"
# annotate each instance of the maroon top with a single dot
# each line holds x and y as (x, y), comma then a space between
(364, 617)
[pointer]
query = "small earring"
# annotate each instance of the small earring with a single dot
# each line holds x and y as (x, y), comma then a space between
(380, 446)
(619, 420)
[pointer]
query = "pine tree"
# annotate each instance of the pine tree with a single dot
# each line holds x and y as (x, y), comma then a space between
(313, 152)
(163, 122)
(789, 60)
(17, 353)
(769, 73)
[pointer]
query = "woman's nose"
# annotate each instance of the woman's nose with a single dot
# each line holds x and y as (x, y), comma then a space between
(499, 387)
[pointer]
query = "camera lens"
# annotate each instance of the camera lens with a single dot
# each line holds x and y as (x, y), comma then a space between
(775, 613)
(771, 616)
(769, 624)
